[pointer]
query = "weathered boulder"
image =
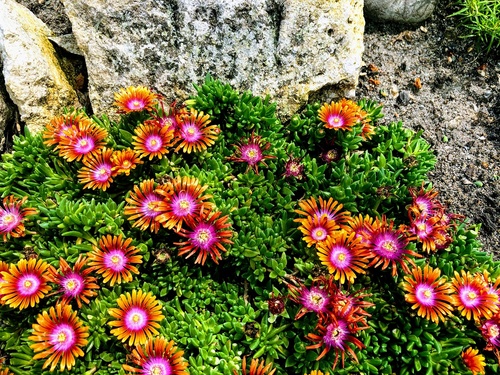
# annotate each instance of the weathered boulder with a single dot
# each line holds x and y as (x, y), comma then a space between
(33, 77)
(289, 49)
(7, 111)
(403, 11)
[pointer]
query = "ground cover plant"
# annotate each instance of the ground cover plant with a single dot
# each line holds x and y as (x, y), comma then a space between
(207, 237)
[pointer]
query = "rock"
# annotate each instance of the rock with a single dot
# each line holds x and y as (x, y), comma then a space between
(289, 49)
(33, 77)
(403, 11)
(7, 112)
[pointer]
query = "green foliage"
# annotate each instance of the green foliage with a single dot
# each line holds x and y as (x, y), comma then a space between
(481, 20)
(219, 313)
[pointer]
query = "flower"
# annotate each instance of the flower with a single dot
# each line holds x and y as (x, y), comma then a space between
(428, 293)
(25, 283)
(143, 205)
(194, 133)
(137, 317)
(169, 118)
(429, 231)
(388, 246)
(158, 357)
(208, 234)
(97, 172)
(63, 127)
(135, 99)
(152, 141)
(316, 229)
(124, 161)
(251, 152)
(58, 335)
(474, 362)
(490, 330)
(294, 169)
(335, 334)
(183, 200)
(344, 255)
(338, 116)
(362, 226)
(330, 208)
(12, 217)
(424, 203)
(256, 368)
(74, 283)
(314, 299)
(473, 297)
(4, 267)
(114, 259)
(82, 141)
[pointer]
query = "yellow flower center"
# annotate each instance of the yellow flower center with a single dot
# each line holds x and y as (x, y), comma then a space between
(27, 284)
(136, 103)
(152, 205)
(341, 257)
(9, 218)
(251, 154)
(336, 120)
(102, 171)
(493, 331)
(136, 318)
(83, 142)
(421, 227)
(389, 246)
(319, 233)
(316, 299)
(115, 259)
(184, 204)
(472, 295)
(153, 142)
(156, 370)
(294, 168)
(191, 131)
(71, 285)
(61, 337)
(427, 294)
(335, 333)
(126, 164)
(203, 236)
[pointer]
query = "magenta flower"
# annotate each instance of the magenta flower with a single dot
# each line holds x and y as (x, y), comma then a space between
(252, 152)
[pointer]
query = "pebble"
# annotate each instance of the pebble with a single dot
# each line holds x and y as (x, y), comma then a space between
(404, 97)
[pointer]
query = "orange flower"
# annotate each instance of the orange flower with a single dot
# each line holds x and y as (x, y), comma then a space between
(329, 208)
(194, 132)
(59, 335)
(338, 115)
(135, 99)
(256, 368)
(474, 361)
(152, 141)
(317, 229)
(25, 283)
(124, 161)
(12, 217)
(159, 357)
(428, 293)
(142, 206)
(63, 127)
(137, 317)
(114, 259)
(98, 171)
(82, 141)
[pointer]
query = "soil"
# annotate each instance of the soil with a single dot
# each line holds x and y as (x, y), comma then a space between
(430, 78)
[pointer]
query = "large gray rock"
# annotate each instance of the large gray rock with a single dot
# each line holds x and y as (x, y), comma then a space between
(288, 49)
(33, 77)
(7, 112)
(403, 11)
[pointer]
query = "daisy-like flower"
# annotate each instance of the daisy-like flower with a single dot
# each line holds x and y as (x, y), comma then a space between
(137, 317)
(12, 217)
(429, 231)
(473, 297)
(362, 226)
(124, 161)
(152, 141)
(429, 293)
(183, 200)
(388, 246)
(474, 361)
(313, 299)
(317, 229)
(135, 99)
(63, 127)
(294, 169)
(74, 283)
(97, 172)
(82, 142)
(338, 116)
(25, 283)
(331, 209)
(256, 368)
(157, 357)
(207, 235)
(194, 132)
(344, 255)
(424, 203)
(114, 258)
(251, 152)
(59, 335)
(142, 206)
(169, 118)
(491, 332)
(335, 334)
